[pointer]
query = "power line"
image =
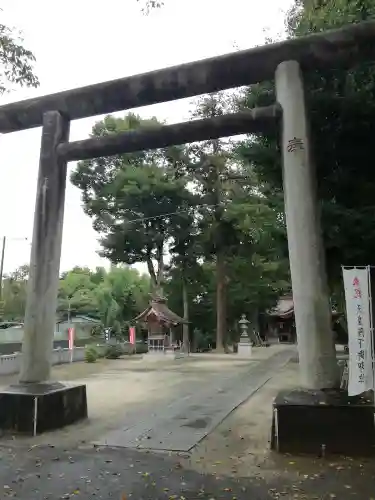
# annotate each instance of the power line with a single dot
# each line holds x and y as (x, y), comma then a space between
(182, 210)
(142, 219)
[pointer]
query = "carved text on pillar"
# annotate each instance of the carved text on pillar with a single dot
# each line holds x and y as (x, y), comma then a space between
(294, 145)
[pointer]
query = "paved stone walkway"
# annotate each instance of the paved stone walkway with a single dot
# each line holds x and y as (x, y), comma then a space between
(194, 412)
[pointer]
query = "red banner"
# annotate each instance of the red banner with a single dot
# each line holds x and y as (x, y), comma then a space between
(132, 335)
(71, 338)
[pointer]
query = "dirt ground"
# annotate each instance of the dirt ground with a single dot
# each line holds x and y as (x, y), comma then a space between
(240, 444)
(233, 462)
(240, 448)
(116, 386)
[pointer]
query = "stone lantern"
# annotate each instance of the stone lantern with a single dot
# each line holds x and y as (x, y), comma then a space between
(245, 345)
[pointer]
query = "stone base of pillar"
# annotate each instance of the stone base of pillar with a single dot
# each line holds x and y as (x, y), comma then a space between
(245, 349)
(322, 423)
(165, 354)
(169, 353)
(153, 352)
(36, 408)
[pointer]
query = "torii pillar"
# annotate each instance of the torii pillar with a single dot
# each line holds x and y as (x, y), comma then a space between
(312, 308)
(38, 404)
(316, 418)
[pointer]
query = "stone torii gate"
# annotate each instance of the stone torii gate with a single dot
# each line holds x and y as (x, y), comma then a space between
(35, 401)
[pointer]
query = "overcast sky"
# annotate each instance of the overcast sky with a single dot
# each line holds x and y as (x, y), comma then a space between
(79, 42)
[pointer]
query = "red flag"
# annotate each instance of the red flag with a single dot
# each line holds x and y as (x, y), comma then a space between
(132, 335)
(71, 338)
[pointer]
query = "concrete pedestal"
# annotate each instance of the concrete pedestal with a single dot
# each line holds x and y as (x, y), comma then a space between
(36, 408)
(322, 422)
(245, 349)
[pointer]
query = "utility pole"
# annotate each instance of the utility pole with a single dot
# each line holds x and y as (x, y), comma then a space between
(69, 309)
(2, 266)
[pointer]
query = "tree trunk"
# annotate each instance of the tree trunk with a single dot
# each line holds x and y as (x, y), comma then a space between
(221, 316)
(194, 346)
(160, 272)
(185, 327)
(151, 272)
(156, 278)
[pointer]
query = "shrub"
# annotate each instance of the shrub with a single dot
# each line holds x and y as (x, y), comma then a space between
(141, 348)
(113, 351)
(91, 354)
(100, 351)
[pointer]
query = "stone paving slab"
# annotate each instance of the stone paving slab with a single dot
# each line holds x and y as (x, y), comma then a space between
(179, 425)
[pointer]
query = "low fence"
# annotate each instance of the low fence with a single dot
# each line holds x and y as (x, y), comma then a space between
(12, 347)
(11, 363)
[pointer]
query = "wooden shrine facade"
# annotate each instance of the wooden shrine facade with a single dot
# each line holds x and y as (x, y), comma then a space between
(161, 324)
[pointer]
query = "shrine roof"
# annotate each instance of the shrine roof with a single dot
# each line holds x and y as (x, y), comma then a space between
(161, 311)
(284, 308)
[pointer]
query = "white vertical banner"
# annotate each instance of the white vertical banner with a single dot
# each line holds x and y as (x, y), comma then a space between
(357, 297)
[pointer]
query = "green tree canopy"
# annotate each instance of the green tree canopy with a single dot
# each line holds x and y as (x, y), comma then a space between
(341, 107)
(115, 297)
(237, 228)
(135, 200)
(16, 62)
(14, 294)
(75, 292)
